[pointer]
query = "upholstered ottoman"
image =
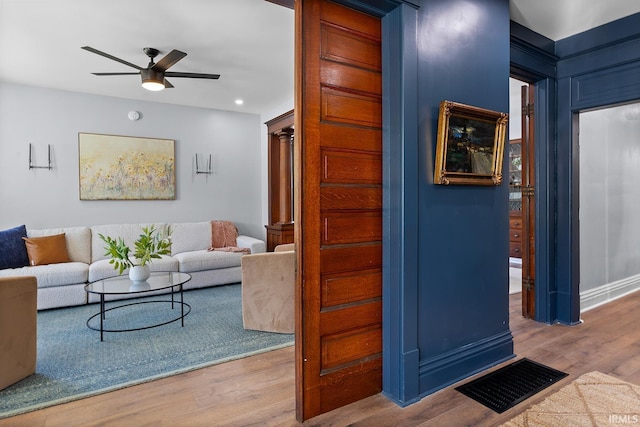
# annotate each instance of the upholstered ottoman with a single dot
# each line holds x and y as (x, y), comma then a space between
(18, 328)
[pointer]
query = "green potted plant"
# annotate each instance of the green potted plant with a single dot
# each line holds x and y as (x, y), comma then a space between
(149, 246)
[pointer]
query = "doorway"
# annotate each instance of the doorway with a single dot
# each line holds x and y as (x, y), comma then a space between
(609, 203)
(521, 177)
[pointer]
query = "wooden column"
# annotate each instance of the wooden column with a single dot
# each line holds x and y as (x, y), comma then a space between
(285, 175)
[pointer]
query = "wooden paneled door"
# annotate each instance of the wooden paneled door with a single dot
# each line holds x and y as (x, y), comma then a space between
(528, 204)
(338, 219)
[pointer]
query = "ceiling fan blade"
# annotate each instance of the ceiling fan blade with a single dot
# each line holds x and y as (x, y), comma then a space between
(192, 75)
(106, 55)
(115, 74)
(168, 60)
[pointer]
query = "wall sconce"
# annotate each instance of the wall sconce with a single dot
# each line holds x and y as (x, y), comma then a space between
(207, 171)
(49, 167)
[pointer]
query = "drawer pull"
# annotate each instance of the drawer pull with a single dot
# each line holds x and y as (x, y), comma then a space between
(516, 235)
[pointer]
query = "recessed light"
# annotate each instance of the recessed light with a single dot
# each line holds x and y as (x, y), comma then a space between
(239, 102)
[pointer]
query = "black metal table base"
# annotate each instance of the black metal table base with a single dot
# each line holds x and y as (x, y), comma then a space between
(103, 311)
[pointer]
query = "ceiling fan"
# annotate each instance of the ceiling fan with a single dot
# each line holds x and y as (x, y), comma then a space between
(154, 76)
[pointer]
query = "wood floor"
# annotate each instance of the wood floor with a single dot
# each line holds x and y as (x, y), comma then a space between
(259, 391)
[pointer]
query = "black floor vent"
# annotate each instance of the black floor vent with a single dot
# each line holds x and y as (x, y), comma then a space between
(510, 385)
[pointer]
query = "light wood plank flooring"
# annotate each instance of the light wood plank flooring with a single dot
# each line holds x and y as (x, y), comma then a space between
(259, 391)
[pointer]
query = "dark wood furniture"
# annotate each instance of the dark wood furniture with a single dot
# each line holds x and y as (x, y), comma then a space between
(279, 234)
(515, 198)
(280, 176)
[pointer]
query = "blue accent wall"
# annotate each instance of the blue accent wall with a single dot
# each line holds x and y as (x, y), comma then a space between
(446, 248)
(463, 306)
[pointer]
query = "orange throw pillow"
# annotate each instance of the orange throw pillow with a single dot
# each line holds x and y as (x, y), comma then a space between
(47, 250)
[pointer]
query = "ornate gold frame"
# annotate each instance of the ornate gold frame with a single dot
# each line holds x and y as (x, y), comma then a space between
(470, 145)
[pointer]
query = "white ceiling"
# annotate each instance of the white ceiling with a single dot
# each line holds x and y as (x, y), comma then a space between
(248, 42)
(558, 19)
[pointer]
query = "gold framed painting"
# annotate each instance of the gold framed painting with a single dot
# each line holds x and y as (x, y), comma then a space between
(114, 167)
(470, 145)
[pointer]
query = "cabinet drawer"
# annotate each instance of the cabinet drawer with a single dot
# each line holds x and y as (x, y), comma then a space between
(515, 235)
(515, 223)
(515, 250)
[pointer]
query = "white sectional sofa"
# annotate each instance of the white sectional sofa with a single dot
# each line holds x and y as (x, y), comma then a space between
(62, 284)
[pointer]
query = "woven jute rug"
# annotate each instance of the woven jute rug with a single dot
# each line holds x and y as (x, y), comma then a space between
(594, 399)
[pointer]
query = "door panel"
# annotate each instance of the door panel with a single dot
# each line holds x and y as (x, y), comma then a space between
(340, 44)
(338, 136)
(528, 204)
(348, 167)
(338, 221)
(343, 288)
(339, 106)
(351, 227)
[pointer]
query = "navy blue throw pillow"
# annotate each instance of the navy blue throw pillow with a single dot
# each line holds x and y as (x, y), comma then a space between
(13, 251)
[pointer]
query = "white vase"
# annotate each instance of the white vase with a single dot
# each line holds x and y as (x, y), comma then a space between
(139, 273)
(139, 286)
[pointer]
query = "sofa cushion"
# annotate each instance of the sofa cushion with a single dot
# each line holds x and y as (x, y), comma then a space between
(78, 241)
(102, 269)
(64, 274)
(190, 236)
(47, 250)
(128, 232)
(207, 260)
(13, 252)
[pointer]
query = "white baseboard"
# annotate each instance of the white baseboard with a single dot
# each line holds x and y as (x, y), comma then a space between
(609, 292)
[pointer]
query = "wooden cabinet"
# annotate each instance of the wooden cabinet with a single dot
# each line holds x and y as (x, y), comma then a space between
(515, 198)
(515, 236)
(279, 234)
(280, 149)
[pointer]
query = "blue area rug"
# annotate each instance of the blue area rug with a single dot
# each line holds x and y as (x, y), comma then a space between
(73, 363)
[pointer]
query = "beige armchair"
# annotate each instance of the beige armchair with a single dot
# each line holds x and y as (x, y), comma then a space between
(268, 290)
(18, 328)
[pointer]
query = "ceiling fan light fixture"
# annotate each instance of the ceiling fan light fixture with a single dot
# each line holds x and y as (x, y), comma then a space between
(152, 80)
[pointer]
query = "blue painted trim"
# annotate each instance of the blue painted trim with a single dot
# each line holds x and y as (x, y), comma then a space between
(601, 58)
(448, 368)
(544, 93)
(608, 86)
(535, 42)
(532, 55)
(612, 33)
(400, 209)
(565, 239)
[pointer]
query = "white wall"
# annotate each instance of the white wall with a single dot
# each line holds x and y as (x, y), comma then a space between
(515, 108)
(609, 203)
(42, 199)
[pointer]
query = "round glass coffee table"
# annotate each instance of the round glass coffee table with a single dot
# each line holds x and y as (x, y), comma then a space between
(122, 285)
